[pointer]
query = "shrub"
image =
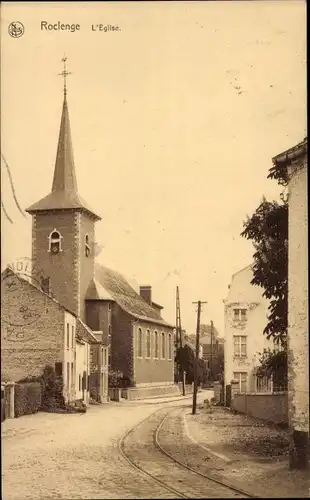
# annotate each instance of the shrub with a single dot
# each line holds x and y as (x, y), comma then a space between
(27, 398)
(273, 363)
(52, 387)
(115, 379)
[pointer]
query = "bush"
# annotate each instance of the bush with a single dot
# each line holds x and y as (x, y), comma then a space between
(52, 387)
(27, 398)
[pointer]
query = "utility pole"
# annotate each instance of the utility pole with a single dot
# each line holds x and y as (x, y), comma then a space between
(197, 356)
(211, 354)
(179, 340)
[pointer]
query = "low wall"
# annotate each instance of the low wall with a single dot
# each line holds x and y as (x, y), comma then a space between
(271, 407)
(134, 393)
(189, 388)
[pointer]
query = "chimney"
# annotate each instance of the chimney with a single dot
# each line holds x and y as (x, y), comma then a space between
(146, 293)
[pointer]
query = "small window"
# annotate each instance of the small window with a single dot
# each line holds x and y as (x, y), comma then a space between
(87, 246)
(109, 306)
(55, 239)
(46, 285)
(148, 343)
(139, 343)
(170, 346)
(106, 356)
(58, 369)
(156, 347)
(72, 333)
(163, 345)
(240, 314)
(110, 330)
(241, 378)
(240, 346)
(72, 375)
(68, 336)
(80, 382)
(68, 376)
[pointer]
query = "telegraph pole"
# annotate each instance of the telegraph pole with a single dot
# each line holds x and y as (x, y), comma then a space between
(211, 357)
(197, 356)
(179, 340)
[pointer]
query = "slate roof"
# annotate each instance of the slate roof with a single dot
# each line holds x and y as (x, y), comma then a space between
(64, 193)
(111, 285)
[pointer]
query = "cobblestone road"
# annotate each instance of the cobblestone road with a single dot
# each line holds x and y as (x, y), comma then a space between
(73, 456)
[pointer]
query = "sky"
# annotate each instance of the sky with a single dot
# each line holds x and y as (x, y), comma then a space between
(175, 119)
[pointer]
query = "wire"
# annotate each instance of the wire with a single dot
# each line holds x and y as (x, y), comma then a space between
(5, 213)
(12, 187)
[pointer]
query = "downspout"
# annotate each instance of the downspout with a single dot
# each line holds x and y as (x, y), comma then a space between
(133, 323)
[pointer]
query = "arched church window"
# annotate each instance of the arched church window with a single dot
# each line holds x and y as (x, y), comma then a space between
(55, 242)
(87, 246)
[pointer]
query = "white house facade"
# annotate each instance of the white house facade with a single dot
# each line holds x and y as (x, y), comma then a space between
(245, 319)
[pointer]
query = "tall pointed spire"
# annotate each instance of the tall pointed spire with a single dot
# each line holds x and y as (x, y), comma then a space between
(64, 173)
(64, 193)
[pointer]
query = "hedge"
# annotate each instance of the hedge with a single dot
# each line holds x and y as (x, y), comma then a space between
(27, 398)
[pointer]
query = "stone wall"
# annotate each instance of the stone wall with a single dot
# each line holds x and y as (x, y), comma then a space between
(298, 325)
(151, 392)
(38, 340)
(268, 407)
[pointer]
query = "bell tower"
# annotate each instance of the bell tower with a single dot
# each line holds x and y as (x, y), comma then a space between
(63, 227)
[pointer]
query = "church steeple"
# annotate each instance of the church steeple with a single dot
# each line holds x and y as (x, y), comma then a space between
(64, 193)
(64, 173)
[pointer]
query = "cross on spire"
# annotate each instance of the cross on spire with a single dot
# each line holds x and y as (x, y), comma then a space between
(65, 73)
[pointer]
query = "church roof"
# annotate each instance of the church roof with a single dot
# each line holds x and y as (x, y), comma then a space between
(64, 193)
(111, 285)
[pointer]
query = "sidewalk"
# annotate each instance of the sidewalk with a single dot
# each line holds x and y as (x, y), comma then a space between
(247, 452)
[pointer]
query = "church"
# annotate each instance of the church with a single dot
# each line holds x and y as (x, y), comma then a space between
(140, 342)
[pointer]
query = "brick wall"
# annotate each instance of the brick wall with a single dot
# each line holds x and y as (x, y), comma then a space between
(87, 226)
(61, 268)
(27, 349)
(152, 370)
(268, 407)
(121, 342)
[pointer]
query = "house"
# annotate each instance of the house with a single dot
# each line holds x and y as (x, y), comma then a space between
(190, 341)
(213, 353)
(140, 342)
(36, 331)
(291, 167)
(245, 311)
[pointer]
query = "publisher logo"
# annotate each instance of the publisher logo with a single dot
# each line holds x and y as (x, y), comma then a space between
(16, 29)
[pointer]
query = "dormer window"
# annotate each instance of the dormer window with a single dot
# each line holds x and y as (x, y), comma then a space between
(55, 242)
(87, 247)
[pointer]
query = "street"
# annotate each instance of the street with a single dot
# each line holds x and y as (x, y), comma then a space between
(49, 455)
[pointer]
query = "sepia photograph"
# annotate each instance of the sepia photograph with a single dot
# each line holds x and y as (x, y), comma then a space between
(154, 250)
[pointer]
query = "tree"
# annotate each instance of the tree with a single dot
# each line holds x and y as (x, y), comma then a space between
(185, 358)
(268, 230)
(273, 363)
